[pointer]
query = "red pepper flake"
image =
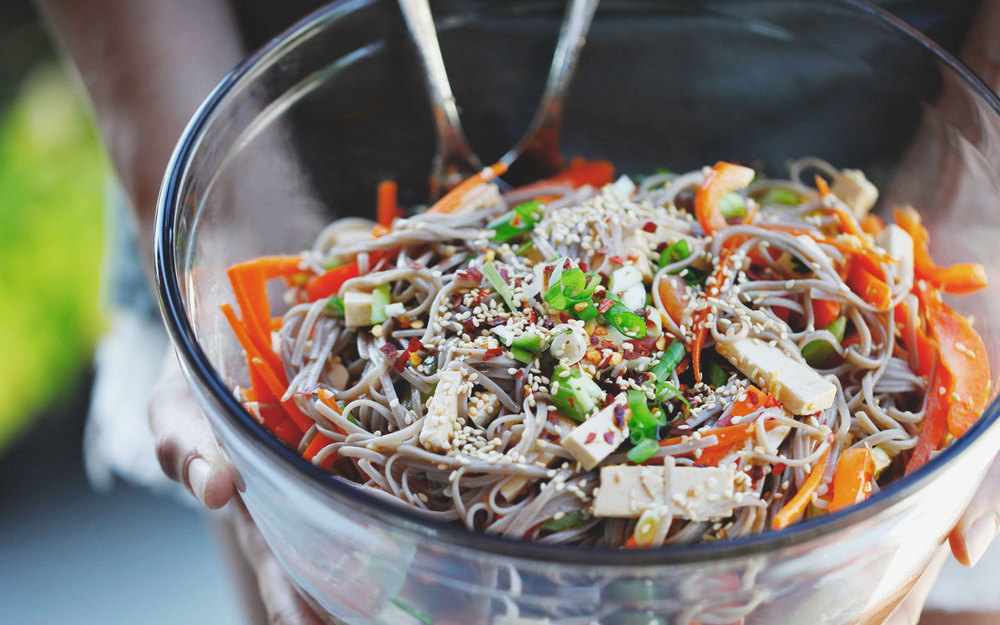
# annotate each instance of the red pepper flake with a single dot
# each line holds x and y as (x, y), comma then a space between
(609, 438)
(778, 468)
(472, 274)
(532, 317)
(594, 340)
(483, 294)
(590, 438)
(572, 402)
(553, 418)
(414, 346)
(563, 317)
(516, 220)
(619, 416)
(617, 259)
(495, 321)
(567, 264)
(583, 265)
(503, 274)
(605, 306)
(756, 473)
(389, 349)
(649, 226)
(494, 352)
(518, 374)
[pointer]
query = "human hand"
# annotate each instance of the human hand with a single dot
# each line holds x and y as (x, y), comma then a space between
(969, 540)
(188, 453)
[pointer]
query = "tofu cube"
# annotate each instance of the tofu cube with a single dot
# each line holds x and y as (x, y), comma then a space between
(598, 436)
(442, 412)
(694, 493)
(899, 244)
(856, 191)
(358, 309)
(799, 389)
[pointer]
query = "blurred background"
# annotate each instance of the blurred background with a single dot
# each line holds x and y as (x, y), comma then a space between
(70, 554)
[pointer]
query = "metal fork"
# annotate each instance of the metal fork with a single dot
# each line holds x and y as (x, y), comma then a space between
(537, 154)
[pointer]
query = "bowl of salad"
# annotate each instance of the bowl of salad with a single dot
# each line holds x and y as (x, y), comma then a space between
(730, 364)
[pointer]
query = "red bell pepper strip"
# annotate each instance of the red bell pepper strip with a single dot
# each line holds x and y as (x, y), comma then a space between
(959, 279)
(723, 178)
(386, 207)
(935, 418)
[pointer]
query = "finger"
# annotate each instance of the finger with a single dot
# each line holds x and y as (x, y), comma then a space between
(980, 522)
(282, 601)
(908, 611)
(185, 446)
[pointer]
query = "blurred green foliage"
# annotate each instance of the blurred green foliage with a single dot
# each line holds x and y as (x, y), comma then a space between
(51, 222)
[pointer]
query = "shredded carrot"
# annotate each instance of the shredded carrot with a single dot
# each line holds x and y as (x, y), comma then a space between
(728, 438)
(959, 279)
(330, 282)
(386, 207)
(316, 445)
(753, 399)
(453, 199)
(278, 389)
(822, 186)
(261, 391)
(852, 481)
(797, 504)
(289, 433)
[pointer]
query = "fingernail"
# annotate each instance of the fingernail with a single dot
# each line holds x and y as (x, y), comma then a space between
(198, 470)
(979, 537)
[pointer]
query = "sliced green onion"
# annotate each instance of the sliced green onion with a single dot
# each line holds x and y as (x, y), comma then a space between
(678, 250)
(522, 355)
(780, 195)
(331, 263)
(645, 450)
(336, 305)
(351, 418)
(566, 521)
(620, 318)
(881, 459)
(522, 218)
(499, 284)
(529, 341)
(819, 352)
(642, 424)
(732, 205)
(381, 297)
(573, 294)
(505, 334)
(577, 395)
(524, 248)
(672, 357)
(716, 376)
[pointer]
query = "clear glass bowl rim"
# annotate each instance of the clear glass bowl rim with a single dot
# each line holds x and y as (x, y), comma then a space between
(406, 521)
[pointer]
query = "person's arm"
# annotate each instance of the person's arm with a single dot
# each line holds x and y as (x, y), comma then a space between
(146, 65)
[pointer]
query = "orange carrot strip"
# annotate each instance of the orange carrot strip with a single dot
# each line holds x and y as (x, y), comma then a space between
(822, 186)
(728, 437)
(386, 208)
(797, 504)
(631, 543)
(301, 420)
(316, 445)
(723, 178)
(453, 199)
(272, 266)
(330, 282)
(959, 279)
(852, 482)
(261, 392)
(288, 432)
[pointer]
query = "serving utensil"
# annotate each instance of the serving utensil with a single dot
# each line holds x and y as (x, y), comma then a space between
(538, 153)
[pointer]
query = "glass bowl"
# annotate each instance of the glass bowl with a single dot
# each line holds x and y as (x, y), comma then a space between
(302, 131)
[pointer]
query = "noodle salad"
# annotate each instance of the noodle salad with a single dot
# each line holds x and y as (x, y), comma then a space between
(599, 361)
